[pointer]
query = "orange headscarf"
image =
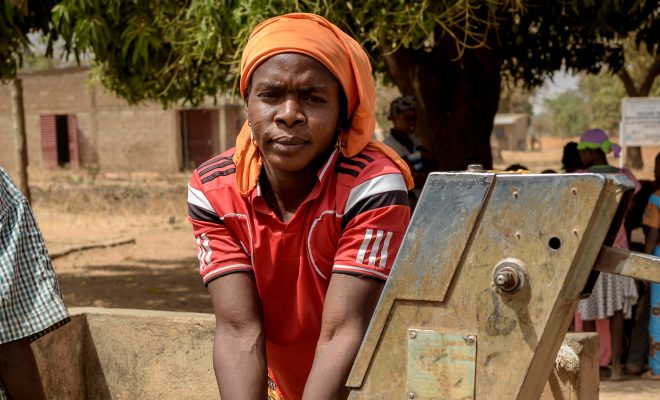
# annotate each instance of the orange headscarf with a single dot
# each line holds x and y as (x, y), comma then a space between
(314, 36)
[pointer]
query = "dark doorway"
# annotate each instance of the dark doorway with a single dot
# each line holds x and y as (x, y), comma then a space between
(59, 140)
(197, 136)
(62, 137)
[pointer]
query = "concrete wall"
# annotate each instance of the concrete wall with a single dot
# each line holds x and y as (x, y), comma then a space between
(138, 354)
(112, 134)
(129, 354)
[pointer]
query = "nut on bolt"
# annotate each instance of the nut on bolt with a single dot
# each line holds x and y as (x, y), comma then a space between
(412, 333)
(411, 395)
(508, 276)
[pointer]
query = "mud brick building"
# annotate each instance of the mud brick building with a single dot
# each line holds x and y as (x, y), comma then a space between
(71, 122)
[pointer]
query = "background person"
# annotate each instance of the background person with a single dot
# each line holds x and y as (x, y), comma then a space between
(613, 296)
(403, 114)
(642, 214)
(570, 159)
(652, 221)
(298, 226)
(30, 299)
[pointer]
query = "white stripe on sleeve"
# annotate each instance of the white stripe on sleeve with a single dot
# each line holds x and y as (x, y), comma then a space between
(375, 247)
(197, 198)
(209, 251)
(386, 248)
(363, 247)
(377, 185)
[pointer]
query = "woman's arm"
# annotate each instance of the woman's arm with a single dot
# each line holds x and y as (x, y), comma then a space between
(349, 304)
(239, 350)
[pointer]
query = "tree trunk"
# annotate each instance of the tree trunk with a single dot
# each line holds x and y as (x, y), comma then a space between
(634, 153)
(456, 99)
(21, 140)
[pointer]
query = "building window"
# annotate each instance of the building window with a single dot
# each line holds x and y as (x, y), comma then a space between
(59, 140)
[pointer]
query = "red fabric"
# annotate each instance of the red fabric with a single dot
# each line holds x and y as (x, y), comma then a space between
(352, 222)
(603, 330)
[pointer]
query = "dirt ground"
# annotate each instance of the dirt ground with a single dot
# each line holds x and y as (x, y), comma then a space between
(159, 271)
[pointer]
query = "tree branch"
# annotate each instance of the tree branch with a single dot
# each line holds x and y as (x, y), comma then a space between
(628, 83)
(653, 72)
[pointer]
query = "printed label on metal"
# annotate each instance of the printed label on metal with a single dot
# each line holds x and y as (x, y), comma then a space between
(440, 365)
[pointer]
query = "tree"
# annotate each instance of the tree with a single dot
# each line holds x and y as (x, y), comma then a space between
(18, 18)
(642, 65)
(569, 113)
(603, 92)
(451, 55)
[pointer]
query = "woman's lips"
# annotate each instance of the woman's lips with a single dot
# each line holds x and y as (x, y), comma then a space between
(288, 144)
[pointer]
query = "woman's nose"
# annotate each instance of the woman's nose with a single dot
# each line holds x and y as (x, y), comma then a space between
(290, 113)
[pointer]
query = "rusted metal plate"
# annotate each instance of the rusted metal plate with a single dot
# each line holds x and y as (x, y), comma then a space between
(553, 226)
(433, 248)
(441, 366)
(626, 263)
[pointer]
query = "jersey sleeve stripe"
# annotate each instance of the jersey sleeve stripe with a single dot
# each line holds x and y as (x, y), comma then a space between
(200, 214)
(228, 269)
(386, 248)
(352, 162)
(379, 184)
(352, 269)
(375, 247)
(217, 174)
(351, 172)
(214, 167)
(212, 160)
(392, 198)
(364, 157)
(363, 247)
(196, 197)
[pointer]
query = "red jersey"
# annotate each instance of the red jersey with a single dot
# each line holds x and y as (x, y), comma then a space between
(352, 222)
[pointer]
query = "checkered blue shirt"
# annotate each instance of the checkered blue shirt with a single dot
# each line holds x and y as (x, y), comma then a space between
(30, 299)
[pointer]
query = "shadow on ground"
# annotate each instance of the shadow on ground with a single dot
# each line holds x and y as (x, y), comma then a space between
(141, 284)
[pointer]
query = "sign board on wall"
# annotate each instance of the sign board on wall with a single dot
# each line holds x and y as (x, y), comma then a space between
(640, 121)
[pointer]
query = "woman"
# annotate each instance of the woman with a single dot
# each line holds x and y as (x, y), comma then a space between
(613, 296)
(299, 225)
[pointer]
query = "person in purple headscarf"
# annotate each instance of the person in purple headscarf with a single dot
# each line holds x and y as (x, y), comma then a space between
(613, 296)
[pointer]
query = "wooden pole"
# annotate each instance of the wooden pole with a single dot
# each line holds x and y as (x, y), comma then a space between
(21, 139)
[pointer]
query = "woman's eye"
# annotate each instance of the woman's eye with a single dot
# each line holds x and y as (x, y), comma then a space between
(269, 94)
(314, 99)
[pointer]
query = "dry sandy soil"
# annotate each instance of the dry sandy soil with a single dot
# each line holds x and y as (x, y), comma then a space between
(159, 271)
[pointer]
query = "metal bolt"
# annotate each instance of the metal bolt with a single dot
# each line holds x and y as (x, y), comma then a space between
(412, 334)
(574, 190)
(411, 395)
(471, 340)
(475, 168)
(506, 279)
(517, 235)
(508, 276)
(515, 194)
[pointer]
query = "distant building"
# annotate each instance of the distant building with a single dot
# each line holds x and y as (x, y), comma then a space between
(71, 122)
(510, 132)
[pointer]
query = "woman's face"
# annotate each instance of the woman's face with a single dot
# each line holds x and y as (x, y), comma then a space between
(588, 157)
(293, 108)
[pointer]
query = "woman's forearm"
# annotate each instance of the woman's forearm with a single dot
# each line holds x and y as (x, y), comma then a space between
(239, 360)
(332, 364)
